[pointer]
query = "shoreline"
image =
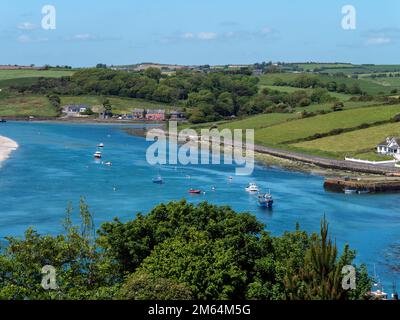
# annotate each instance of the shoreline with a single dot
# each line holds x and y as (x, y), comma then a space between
(283, 159)
(7, 146)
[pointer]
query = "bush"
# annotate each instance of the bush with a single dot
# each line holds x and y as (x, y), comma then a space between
(142, 286)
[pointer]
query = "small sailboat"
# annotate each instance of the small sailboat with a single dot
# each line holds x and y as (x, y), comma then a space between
(97, 155)
(378, 294)
(158, 180)
(252, 187)
(265, 200)
(195, 191)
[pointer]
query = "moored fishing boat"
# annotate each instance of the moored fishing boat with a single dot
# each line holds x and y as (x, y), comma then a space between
(265, 200)
(158, 180)
(194, 191)
(97, 155)
(350, 191)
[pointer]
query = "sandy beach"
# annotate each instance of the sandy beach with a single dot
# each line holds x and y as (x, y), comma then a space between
(6, 147)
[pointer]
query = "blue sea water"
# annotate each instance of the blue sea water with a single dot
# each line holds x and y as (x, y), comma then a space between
(54, 165)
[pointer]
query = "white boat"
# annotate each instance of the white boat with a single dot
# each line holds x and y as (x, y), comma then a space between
(350, 191)
(97, 154)
(252, 187)
(100, 145)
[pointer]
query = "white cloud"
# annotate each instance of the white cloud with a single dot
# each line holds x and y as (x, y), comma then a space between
(207, 35)
(265, 30)
(378, 40)
(83, 37)
(188, 35)
(226, 35)
(27, 39)
(27, 26)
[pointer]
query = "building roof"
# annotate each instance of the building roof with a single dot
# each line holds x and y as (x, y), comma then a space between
(388, 140)
(153, 111)
(138, 110)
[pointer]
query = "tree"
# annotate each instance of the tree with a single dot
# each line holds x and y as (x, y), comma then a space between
(153, 73)
(338, 106)
(143, 286)
(107, 108)
(209, 268)
(320, 276)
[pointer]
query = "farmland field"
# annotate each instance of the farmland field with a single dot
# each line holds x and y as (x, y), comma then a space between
(16, 74)
(303, 128)
(354, 142)
(366, 85)
(119, 105)
(340, 96)
(25, 106)
(259, 121)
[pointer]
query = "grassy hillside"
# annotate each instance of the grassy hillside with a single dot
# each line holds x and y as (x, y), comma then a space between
(340, 96)
(303, 128)
(26, 106)
(355, 142)
(119, 105)
(22, 106)
(17, 74)
(365, 84)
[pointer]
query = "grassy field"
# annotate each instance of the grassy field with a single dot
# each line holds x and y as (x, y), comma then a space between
(340, 96)
(307, 127)
(119, 105)
(17, 74)
(259, 121)
(312, 66)
(38, 106)
(252, 122)
(26, 106)
(365, 84)
(360, 143)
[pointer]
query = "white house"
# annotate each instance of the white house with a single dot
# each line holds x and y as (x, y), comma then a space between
(390, 146)
(75, 110)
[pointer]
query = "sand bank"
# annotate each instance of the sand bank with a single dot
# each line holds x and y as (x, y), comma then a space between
(6, 147)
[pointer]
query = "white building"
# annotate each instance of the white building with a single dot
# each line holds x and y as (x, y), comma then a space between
(390, 146)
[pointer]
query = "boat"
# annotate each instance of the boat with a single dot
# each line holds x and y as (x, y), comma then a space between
(252, 187)
(100, 145)
(364, 191)
(97, 154)
(265, 200)
(2, 121)
(379, 293)
(158, 180)
(194, 191)
(350, 191)
(108, 163)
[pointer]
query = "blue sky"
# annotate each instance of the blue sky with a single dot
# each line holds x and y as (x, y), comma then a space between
(198, 32)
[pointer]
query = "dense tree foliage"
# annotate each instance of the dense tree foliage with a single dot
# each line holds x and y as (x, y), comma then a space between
(212, 95)
(312, 81)
(177, 251)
